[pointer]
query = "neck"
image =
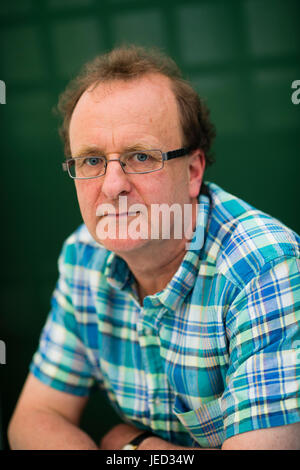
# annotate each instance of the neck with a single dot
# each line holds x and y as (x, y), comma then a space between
(155, 269)
(153, 266)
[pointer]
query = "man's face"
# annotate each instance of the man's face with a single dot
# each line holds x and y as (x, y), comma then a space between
(120, 116)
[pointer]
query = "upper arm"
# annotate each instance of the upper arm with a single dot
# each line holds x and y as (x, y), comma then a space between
(278, 438)
(40, 397)
(261, 397)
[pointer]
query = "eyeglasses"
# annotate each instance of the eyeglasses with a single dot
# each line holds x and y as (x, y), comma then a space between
(137, 162)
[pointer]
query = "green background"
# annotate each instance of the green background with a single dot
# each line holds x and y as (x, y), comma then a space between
(241, 55)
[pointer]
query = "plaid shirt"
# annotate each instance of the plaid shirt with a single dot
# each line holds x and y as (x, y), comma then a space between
(212, 355)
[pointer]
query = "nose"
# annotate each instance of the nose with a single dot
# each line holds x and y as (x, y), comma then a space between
(115, 182)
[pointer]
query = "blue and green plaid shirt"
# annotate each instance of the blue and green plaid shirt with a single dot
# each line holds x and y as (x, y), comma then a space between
(212, 355)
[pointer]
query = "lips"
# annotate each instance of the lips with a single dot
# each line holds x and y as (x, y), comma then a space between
(101, 213)
(120, 211)
(124, 214)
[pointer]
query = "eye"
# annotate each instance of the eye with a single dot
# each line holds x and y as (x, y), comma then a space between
(92, 161)
(141, 157)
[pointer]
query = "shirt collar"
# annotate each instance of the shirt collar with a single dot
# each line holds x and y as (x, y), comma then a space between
(116, 271)
(119, 276)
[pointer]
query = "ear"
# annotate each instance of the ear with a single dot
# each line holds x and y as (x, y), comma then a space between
(196, 171)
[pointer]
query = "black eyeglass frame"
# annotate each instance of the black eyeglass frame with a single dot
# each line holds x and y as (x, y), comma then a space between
(165, 156)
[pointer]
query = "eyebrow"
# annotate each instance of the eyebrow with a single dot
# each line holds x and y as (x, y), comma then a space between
(86, 151)
(97, 151)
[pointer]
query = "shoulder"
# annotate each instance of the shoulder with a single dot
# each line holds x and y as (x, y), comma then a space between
(246, 240)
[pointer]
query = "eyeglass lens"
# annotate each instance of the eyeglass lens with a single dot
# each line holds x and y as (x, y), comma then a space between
(131, 162)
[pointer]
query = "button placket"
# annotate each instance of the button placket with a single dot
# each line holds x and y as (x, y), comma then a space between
(155, 375)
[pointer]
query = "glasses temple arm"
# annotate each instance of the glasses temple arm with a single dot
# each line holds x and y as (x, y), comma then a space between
(176, 153)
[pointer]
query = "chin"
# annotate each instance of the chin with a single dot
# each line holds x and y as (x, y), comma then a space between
(121, 238)
(120, 246)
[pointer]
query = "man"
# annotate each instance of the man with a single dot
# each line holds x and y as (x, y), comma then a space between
(193, 336)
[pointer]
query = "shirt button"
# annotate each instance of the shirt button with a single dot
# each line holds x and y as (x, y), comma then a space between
(157, 401)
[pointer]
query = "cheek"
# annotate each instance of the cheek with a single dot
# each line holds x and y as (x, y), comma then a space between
(87, 194)
(155, 188)
(179, 185)
(169, 186)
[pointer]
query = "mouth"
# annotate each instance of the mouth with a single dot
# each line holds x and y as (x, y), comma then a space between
(120, 215)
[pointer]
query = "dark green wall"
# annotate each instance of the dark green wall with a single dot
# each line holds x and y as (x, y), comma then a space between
(241, 55)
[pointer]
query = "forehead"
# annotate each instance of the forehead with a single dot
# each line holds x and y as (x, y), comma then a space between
(148, 90)
(143, 103)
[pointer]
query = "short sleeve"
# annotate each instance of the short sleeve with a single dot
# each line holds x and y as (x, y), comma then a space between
(263, 329)
(61, 360)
